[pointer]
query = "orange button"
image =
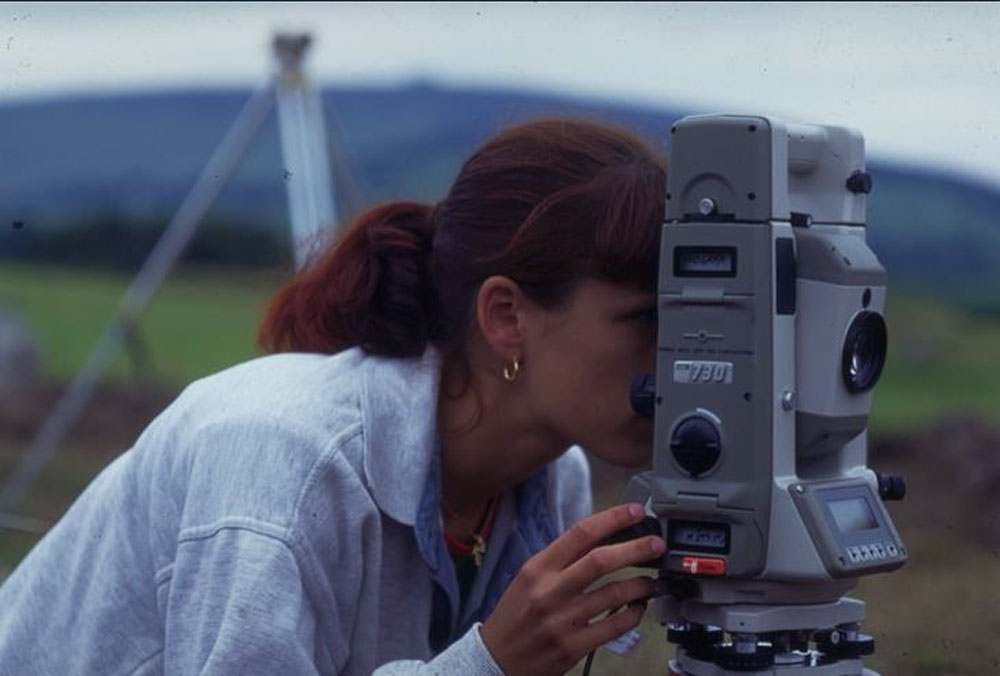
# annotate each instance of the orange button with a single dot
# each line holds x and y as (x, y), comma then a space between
(700, 565)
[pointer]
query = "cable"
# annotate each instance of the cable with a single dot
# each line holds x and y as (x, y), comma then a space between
(590, 655)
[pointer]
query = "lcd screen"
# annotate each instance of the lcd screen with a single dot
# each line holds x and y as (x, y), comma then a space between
(705, 261)
(852, 515)
(699, 537)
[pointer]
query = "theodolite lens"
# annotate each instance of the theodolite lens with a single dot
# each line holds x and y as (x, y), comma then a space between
(864, 351)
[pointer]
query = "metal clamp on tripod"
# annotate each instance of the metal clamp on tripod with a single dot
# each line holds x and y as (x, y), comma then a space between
(771, 338)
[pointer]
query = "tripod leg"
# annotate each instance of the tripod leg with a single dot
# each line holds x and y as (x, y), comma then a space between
(303, 146)
(221, 166)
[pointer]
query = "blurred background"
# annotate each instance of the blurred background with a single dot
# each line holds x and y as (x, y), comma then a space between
(109, 112)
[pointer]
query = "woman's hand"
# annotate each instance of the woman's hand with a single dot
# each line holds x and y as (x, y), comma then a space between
(543, 623)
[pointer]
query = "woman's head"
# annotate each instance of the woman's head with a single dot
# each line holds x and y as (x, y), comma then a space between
(545, 204)
(553, 225)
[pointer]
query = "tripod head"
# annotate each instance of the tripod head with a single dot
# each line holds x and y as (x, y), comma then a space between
(771, 338)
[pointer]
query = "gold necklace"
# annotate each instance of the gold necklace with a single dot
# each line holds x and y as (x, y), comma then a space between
(478, 542)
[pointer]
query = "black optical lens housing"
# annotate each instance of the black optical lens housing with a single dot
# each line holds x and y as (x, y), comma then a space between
(865, 350)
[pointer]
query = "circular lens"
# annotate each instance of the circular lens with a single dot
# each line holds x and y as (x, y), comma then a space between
(864, 351)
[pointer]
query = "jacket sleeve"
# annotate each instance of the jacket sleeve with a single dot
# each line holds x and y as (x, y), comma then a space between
(235, 604)
(467, 656)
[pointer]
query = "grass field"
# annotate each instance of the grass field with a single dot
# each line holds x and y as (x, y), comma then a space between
(940, 361)
(198, 323)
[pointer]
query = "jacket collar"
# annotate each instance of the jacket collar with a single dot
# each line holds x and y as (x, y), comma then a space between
(399, 422)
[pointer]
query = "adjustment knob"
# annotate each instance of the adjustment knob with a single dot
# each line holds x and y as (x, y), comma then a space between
(698, 640)
(835, 646)
(859, 182)
(696, 445)
(891, 487)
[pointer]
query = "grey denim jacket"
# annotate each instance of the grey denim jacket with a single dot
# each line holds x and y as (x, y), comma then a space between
(280, 517)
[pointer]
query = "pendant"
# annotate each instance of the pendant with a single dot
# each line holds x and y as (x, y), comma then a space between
(478, 550)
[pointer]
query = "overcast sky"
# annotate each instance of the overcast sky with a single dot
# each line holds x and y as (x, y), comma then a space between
(920, 80)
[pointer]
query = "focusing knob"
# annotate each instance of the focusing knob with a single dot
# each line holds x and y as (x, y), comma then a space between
(696, 445)
(642, 394)
(650, 525)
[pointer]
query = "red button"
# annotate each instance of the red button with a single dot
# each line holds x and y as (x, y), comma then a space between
(700, 565)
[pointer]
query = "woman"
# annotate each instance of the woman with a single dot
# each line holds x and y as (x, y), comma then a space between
(388, 493)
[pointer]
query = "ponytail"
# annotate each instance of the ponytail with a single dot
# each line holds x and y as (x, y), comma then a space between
(545, 203)
(372, 289)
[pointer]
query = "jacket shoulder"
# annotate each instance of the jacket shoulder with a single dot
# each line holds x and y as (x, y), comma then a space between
(301, 389)
(246, 443)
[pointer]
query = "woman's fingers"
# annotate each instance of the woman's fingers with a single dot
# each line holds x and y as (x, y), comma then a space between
(610, 597)
(607, 559)
(587, 534)
(600, 632)
(542, 623)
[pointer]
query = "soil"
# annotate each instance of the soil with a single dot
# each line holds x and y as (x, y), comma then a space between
(115, 413)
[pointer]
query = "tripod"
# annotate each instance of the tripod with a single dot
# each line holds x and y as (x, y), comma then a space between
(311, 205)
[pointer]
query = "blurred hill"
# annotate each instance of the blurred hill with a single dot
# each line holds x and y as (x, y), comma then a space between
(93, 180)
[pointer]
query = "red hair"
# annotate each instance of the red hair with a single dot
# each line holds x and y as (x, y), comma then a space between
(545, 203)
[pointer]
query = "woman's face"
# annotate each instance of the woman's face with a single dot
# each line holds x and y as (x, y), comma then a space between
(581, 361)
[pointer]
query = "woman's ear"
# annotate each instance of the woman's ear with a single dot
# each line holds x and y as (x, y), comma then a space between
(501, 313)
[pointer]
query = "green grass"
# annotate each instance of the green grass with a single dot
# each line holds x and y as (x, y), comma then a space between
(941, 361)
(198, 323)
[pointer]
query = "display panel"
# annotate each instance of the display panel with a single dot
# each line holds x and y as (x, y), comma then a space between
(852, 515)
(705, 261)
(698, 536)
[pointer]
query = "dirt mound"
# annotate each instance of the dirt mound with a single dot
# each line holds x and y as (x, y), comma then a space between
(115, 414)
(952, 469)
(965, 447)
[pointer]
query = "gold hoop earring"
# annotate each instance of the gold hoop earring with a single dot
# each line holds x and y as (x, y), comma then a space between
(511, 370)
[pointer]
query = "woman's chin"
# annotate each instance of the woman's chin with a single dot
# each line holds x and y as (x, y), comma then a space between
(637, 456)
